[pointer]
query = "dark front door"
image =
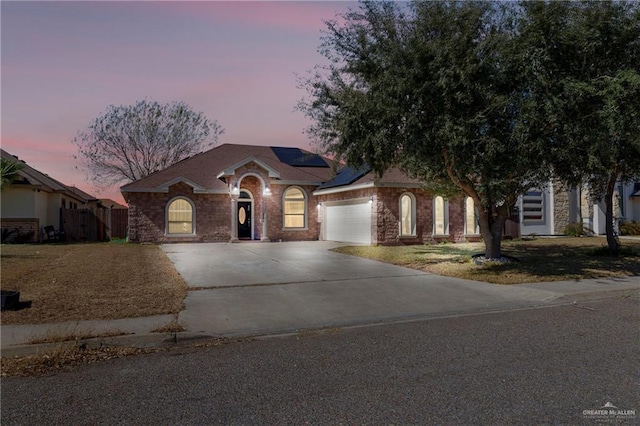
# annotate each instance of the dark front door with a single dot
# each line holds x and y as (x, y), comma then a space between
(244, 220)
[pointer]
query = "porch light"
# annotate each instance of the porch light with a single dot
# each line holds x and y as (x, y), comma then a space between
(370, 200)
(235, 190)
(266, 192)
(319, 205)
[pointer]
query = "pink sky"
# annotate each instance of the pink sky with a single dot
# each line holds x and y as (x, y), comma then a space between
(63, 63)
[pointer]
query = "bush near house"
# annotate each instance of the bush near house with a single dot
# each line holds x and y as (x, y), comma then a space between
(630, 228)
(575, 230)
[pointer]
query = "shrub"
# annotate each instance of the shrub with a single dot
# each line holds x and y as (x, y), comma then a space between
(574, 230)
(17, 236)
(630, 228)
(605, 251)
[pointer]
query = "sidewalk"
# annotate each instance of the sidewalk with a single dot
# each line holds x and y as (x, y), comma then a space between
(138, 332)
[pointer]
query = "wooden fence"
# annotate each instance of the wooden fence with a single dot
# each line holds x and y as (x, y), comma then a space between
(85, 224)
(119, 223)
(94, 225)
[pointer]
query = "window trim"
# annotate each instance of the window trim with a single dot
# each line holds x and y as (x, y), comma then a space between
(412, 207)
(193, 217)
(305, 214)
(445, 215)
(476, 230)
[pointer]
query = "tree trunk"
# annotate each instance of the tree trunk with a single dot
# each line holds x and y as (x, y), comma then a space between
(612, 241)
(491, 230)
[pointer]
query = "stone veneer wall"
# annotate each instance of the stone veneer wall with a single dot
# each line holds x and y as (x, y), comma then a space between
(561, 207)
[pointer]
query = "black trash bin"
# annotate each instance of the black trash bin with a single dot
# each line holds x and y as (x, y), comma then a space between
(10, 300)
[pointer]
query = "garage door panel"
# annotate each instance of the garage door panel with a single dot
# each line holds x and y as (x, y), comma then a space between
(349, 223)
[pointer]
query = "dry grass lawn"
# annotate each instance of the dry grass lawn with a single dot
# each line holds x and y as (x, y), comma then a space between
(540, 260)
(68, 282)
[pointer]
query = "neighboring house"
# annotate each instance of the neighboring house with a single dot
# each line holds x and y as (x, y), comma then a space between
(35, 200)
(245, 192)
(548, 211)
(111, 204)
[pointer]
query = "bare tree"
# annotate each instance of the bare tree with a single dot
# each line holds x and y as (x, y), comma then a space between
(127, 143)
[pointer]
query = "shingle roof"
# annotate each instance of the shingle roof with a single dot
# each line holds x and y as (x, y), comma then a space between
(203, 169)
(111, 204)
(31, 176)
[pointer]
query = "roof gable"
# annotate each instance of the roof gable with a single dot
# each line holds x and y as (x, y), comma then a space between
(231, 170)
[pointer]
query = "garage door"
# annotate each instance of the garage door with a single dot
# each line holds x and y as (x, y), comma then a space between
(349, 223)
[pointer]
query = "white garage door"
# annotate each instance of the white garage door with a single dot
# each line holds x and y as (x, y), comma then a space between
(349, 223)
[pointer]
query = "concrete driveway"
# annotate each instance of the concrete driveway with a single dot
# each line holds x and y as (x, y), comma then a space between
(265, 288)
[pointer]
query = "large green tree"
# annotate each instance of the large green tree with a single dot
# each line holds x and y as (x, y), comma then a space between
(588, 60)
(439, 89)
(127, 143)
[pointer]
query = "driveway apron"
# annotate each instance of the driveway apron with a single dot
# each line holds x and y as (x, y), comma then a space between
(246, 289)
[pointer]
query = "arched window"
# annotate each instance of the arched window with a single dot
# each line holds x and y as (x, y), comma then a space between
(180, 217)
(440, 216)
(295, 208)
(407, 214)
(470, 217)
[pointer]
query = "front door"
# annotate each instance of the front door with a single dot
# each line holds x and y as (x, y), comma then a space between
(244, 220)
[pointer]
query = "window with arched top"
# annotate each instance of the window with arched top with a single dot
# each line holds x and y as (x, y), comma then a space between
(440, 216)
(407, 214)
(180, 217)
(470, 217)
(295, 208)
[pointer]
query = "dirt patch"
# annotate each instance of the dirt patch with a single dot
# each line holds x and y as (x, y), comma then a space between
(70, 282)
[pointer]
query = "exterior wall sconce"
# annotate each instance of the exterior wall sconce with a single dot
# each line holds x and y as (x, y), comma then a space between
(266, 192)
(319, 205)
(235, 190)
(370, 200)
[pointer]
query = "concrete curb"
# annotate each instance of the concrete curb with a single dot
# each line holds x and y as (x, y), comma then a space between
(148, 340)
(189, 338)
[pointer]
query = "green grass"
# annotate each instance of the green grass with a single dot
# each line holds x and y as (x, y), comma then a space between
(539, 260)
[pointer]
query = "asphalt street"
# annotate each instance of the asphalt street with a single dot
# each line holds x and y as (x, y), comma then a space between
(536, 366)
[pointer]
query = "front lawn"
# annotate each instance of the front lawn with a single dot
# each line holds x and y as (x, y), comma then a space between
(69, 282)
(540, 260)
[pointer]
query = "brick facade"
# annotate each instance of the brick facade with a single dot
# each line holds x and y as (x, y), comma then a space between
(213, 212)
(147, 216)
(386, 217)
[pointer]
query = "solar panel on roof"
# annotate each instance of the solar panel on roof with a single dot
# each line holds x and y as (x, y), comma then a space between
(346, 176)
(298, 158)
